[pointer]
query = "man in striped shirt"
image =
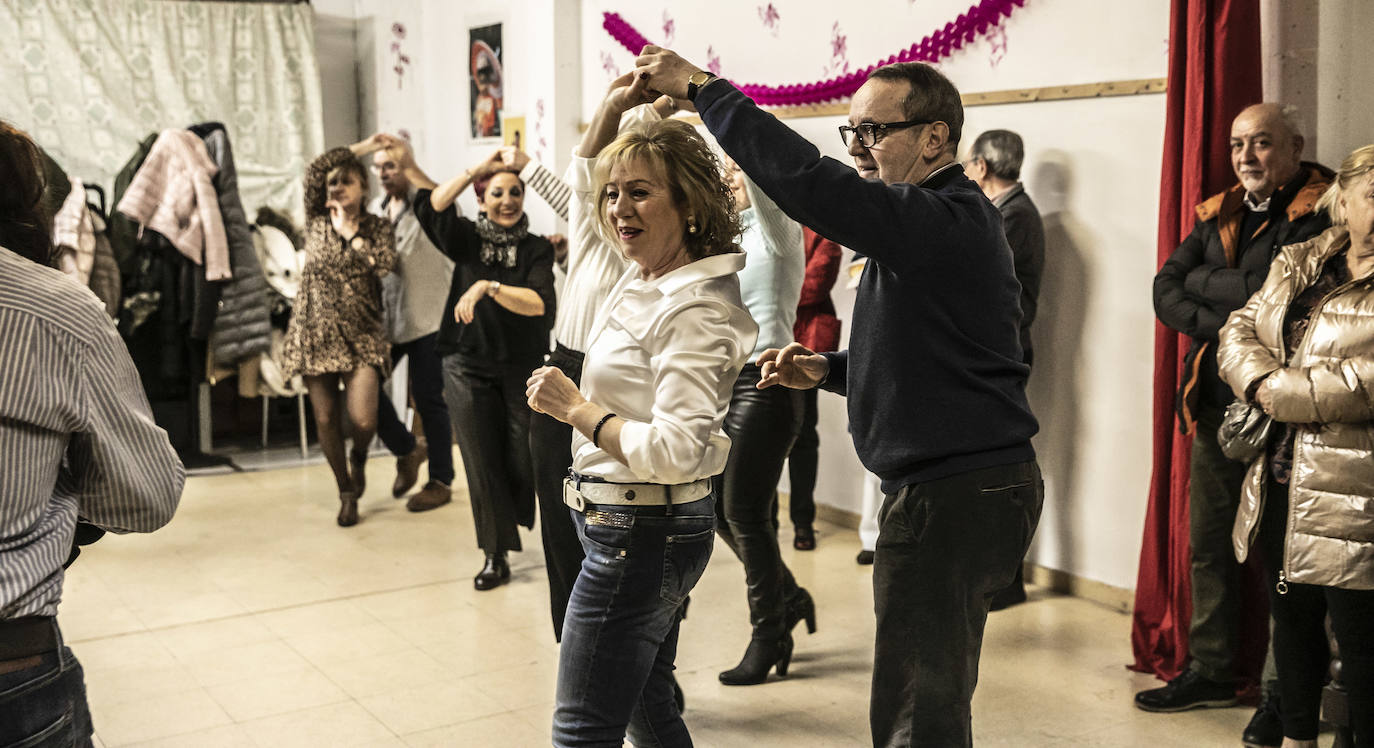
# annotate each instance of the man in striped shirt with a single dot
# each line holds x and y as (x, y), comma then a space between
(77, 440)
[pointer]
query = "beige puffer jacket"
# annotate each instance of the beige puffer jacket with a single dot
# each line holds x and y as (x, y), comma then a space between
(1327, 382)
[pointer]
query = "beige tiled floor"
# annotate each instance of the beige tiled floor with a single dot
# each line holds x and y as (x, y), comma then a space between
(252, 620)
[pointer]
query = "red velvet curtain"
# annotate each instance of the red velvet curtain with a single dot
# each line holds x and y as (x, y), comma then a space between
(1214, 72)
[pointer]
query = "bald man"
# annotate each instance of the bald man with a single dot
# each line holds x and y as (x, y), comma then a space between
(1213, 272)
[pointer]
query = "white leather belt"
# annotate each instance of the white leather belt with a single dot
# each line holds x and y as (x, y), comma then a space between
(578, 495)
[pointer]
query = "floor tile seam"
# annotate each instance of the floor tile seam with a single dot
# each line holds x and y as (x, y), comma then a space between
(203, 728)
(158, 629)
(345, 698)
(415, 684)
(281, 715)
(402, 736)
(508, 712)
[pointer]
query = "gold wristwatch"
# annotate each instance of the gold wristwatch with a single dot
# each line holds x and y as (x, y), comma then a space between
(696, 81)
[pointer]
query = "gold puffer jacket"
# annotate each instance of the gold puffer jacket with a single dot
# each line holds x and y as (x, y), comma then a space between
(1327, 383)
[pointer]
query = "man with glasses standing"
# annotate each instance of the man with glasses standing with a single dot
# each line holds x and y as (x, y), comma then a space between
(934, 374)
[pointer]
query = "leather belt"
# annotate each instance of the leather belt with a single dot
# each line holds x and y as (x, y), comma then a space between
(25, 637)
(579, 493)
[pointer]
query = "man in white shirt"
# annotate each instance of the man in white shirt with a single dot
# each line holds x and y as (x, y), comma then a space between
(413, 300)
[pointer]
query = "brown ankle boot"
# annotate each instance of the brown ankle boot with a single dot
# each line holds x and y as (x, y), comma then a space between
(408, 469)
(432, 496)
(348, 508)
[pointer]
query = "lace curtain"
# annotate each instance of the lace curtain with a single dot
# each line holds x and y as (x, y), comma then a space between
(89, 79)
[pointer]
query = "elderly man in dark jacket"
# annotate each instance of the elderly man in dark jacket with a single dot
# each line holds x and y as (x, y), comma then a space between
(994, 164)
(1222, 262)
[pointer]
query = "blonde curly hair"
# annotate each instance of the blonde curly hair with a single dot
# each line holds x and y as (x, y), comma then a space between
(693, 173)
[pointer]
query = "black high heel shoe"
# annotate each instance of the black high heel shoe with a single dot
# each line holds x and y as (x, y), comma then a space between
(495, 572)
(759, 658)
(801, 608)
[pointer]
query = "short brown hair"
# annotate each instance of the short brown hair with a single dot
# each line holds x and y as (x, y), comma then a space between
(692, 171)
(1359, 163)
(25, 226)
(932, 97)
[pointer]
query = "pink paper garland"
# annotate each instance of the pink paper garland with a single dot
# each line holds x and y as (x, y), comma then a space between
(935, 47)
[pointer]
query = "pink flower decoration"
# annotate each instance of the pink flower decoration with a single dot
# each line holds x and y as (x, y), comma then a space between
(669, 28)
(712, 61)
(769, 16)
(983, 18)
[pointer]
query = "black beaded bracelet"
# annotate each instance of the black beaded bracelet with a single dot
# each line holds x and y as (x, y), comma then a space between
(596, 432)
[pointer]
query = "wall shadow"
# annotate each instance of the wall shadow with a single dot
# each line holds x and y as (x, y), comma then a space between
(1055, 383)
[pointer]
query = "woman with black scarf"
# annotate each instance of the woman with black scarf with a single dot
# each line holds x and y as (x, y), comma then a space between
(502, 299)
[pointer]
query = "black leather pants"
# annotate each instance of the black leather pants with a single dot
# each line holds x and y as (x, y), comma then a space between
(551, 451)
(761, 425)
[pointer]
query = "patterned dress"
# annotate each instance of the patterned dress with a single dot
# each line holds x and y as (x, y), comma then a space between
(336, 323)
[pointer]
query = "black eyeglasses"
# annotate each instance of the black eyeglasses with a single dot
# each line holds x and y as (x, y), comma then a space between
(871, 132)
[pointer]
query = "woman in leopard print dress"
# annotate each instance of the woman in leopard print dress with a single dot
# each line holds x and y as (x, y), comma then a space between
(336, 332)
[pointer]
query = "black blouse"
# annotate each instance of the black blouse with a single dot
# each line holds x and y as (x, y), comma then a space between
(496, 335)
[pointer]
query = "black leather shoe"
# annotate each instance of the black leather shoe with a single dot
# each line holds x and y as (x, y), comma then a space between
(1188, 691)
(759, 658)
(865, 558)
(495, 572)
(1265, 729)
(804, 538)
(801, 608)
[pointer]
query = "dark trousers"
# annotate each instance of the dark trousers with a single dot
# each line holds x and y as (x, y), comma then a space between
(1213, 498)
(44, 705)
(491, 419)
(427, 387)
(761, 425)
(551, 453)
(1301, 652)
(944, 548)
(802, 462)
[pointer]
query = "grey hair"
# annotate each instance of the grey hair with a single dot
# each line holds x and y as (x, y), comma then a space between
(1292, 118)
(1002, 151)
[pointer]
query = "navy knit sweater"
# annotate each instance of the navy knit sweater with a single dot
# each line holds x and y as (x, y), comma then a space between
(933, 373)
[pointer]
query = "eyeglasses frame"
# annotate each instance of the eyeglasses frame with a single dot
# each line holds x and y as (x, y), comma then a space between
(879, 130)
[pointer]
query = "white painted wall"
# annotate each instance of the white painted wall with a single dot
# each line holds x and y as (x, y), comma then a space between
(1092, 165)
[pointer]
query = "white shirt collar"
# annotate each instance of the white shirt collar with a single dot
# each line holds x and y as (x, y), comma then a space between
(1257, 207)
(696, 271)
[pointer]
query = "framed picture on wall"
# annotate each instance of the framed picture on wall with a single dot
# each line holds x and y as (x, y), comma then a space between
(513, 132)
(485, 80)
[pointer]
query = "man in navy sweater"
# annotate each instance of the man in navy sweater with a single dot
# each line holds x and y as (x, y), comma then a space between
(934, 373)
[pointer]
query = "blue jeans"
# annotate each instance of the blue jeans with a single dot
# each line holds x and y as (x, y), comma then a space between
(44, 706)
(615, 667)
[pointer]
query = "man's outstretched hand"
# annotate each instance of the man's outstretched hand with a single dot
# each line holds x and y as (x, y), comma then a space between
(796, 367)
(665, 72)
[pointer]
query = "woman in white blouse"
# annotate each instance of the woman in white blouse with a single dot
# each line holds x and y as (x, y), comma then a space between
(662, 358)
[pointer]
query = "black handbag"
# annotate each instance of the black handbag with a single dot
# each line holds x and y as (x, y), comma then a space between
(1244, 431)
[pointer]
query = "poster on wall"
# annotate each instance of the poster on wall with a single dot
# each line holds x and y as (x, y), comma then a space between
(484, 86)
(513, 131)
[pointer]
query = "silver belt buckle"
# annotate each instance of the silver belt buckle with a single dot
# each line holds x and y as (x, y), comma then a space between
(573, 497)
